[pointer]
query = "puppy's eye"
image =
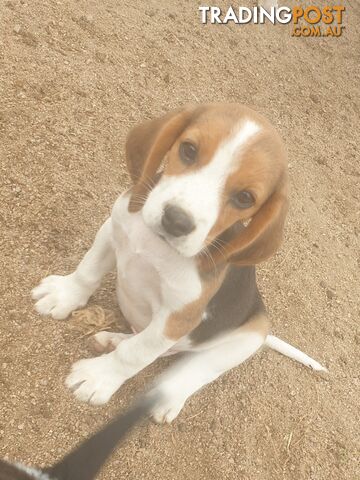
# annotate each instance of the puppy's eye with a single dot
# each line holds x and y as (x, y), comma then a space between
(242, 199)
(188, 153)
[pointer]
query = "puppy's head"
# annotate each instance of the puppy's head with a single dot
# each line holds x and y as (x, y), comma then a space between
(201, 172)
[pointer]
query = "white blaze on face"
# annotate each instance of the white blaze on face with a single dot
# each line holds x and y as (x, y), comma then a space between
(198, 193)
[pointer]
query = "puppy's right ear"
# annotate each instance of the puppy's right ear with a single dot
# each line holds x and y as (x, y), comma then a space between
(146, 147)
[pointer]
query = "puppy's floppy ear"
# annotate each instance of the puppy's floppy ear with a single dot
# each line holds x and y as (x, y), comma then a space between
(262, 236)
(147, 145)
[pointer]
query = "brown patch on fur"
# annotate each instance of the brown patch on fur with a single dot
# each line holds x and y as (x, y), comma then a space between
(206, 132)
(185, 320)
(256, 242)
(259, 323)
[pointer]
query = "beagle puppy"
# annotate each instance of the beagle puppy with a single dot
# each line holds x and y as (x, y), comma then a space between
(208, 202)
(85, 461)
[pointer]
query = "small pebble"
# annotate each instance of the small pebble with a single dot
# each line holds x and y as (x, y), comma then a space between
(181, 427)
(330, 294)
(314, 98)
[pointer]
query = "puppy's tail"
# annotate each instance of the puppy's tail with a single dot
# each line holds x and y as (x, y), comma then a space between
(286, 349)
(85, 461)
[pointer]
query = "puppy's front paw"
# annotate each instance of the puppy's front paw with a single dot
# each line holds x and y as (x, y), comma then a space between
(95, 380)
(59, 295)
(168, 408)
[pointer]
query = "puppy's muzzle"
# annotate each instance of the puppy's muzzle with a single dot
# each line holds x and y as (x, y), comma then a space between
(176, 221)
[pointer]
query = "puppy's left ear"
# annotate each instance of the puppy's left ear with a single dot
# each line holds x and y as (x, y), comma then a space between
(261, 238)
(146, 147)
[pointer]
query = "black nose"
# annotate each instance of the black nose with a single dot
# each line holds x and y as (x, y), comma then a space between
(176, 221)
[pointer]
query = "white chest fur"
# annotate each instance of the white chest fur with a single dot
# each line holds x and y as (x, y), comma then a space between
(151, 274)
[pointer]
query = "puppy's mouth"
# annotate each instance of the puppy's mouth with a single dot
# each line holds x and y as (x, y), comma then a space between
(166, 239)
(173, 242)
(158, 231)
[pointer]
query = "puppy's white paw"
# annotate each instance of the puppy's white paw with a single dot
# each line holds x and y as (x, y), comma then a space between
(95, 380)
(168, 408)
(59, 295)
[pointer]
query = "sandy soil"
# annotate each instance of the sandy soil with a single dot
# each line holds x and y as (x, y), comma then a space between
(75, 76)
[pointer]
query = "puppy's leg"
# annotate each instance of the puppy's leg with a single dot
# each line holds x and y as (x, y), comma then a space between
(198, 369)
(95, 380)
(59, 295)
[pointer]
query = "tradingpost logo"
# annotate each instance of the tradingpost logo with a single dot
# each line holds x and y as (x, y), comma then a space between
(306, 21)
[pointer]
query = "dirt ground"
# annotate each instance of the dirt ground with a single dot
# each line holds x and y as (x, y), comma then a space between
(75, 76)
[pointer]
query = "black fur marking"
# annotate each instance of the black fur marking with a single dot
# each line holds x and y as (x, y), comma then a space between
(236, 302)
